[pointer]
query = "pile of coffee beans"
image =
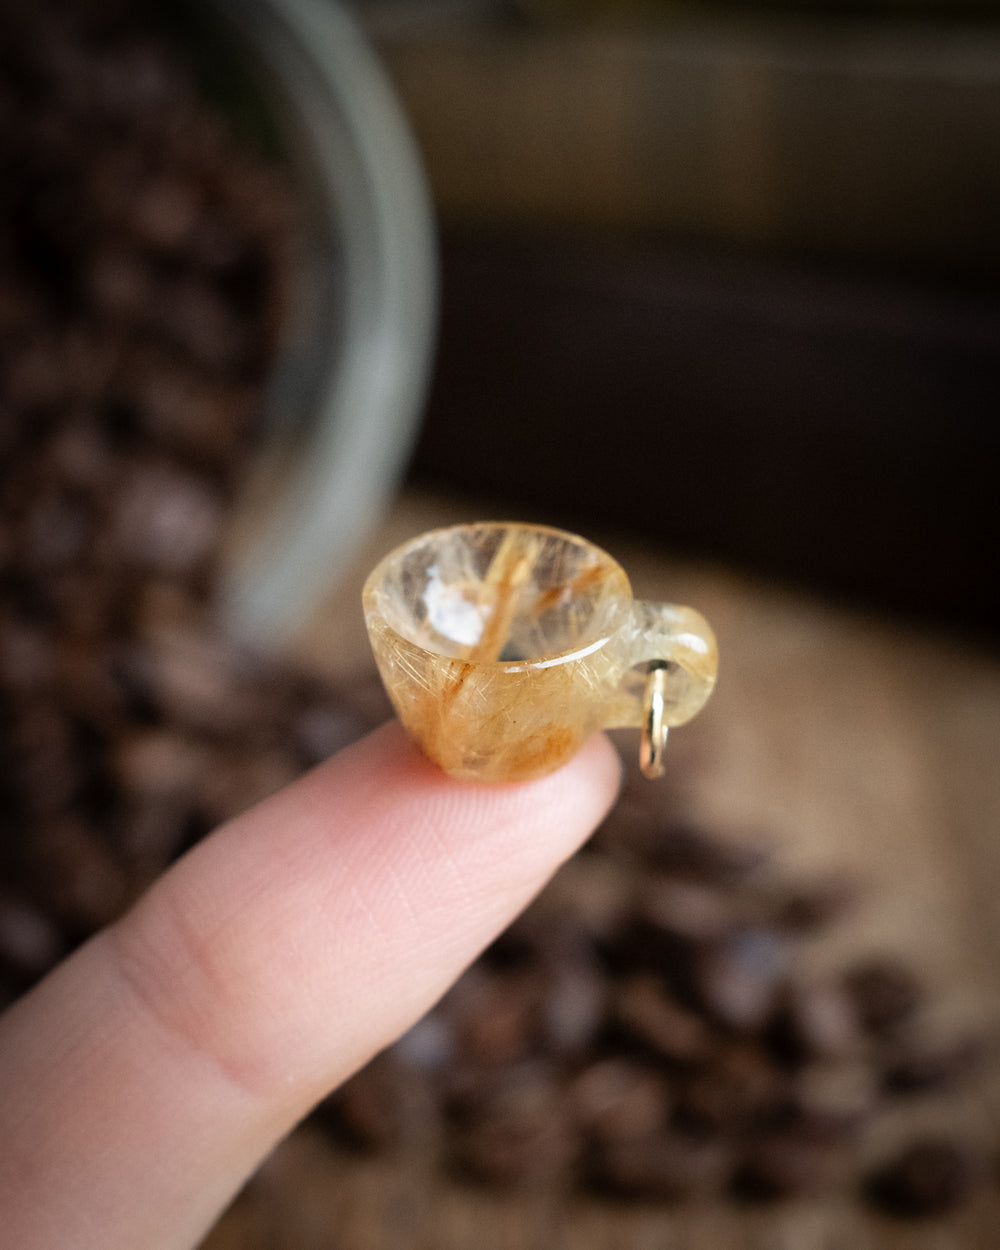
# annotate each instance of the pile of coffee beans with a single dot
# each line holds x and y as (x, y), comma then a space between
(144, 264)
(646, 1031)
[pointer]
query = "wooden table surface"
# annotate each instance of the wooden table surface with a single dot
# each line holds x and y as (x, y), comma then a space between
(851, 743)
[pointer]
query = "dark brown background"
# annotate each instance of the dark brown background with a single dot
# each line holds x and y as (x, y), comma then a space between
(729, 282)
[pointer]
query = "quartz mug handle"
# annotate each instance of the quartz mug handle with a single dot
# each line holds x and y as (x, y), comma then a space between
(671, 657)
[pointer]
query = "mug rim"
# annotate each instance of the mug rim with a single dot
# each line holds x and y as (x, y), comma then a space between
(395, 557)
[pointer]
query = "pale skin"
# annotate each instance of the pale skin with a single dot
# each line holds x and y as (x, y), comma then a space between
(144, 1080)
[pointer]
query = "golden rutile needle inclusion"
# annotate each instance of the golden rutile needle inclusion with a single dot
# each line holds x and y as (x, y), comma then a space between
(504, 646)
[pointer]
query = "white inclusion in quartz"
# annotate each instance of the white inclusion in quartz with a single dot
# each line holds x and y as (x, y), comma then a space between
(450, 613)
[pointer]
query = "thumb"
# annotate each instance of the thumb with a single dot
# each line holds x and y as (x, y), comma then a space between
(143, 1081)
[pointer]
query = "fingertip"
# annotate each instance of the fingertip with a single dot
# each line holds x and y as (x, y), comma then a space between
(601, 756)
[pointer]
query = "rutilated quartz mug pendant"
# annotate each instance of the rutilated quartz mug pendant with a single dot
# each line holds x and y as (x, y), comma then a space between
(504, 646)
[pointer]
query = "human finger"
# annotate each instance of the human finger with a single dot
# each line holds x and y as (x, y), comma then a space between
(143, 1081)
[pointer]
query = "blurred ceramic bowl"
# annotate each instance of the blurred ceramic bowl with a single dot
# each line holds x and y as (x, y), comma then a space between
(347, 390)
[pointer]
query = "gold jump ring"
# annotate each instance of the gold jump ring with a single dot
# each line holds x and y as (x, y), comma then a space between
(654, 729)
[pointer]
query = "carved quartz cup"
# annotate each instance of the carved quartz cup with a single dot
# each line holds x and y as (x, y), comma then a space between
(504, 646)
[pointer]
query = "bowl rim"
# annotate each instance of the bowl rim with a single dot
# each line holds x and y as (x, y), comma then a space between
(368, 396)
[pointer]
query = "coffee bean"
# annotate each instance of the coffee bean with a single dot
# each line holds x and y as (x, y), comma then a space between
(166, 213)
(495, 1017)
(686, 850)
(920, 1069)
(517, 1135)
(665, 1168)
(797, 1160)
(509, 1154)
(930, 1176)
(152, 830)
(196, 321)
(43, 751)
(30, 941)
(844, 1095)
(167, 522)
(157, 763)
(84, 884)
(382, 1107)
(685, 910)
(738, 1086)
(810, 908)
(816, 1020)
(574, 1007)
(739, 979)
(323, 727)
(616, 1099)
(118, 281)
(26, 655)
(55, 530)
(647, 1013)
(428, 1045)
(195, 680)
(235, 779)
(885, 993)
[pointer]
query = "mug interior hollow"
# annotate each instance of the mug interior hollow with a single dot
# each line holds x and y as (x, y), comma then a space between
(499, 593)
